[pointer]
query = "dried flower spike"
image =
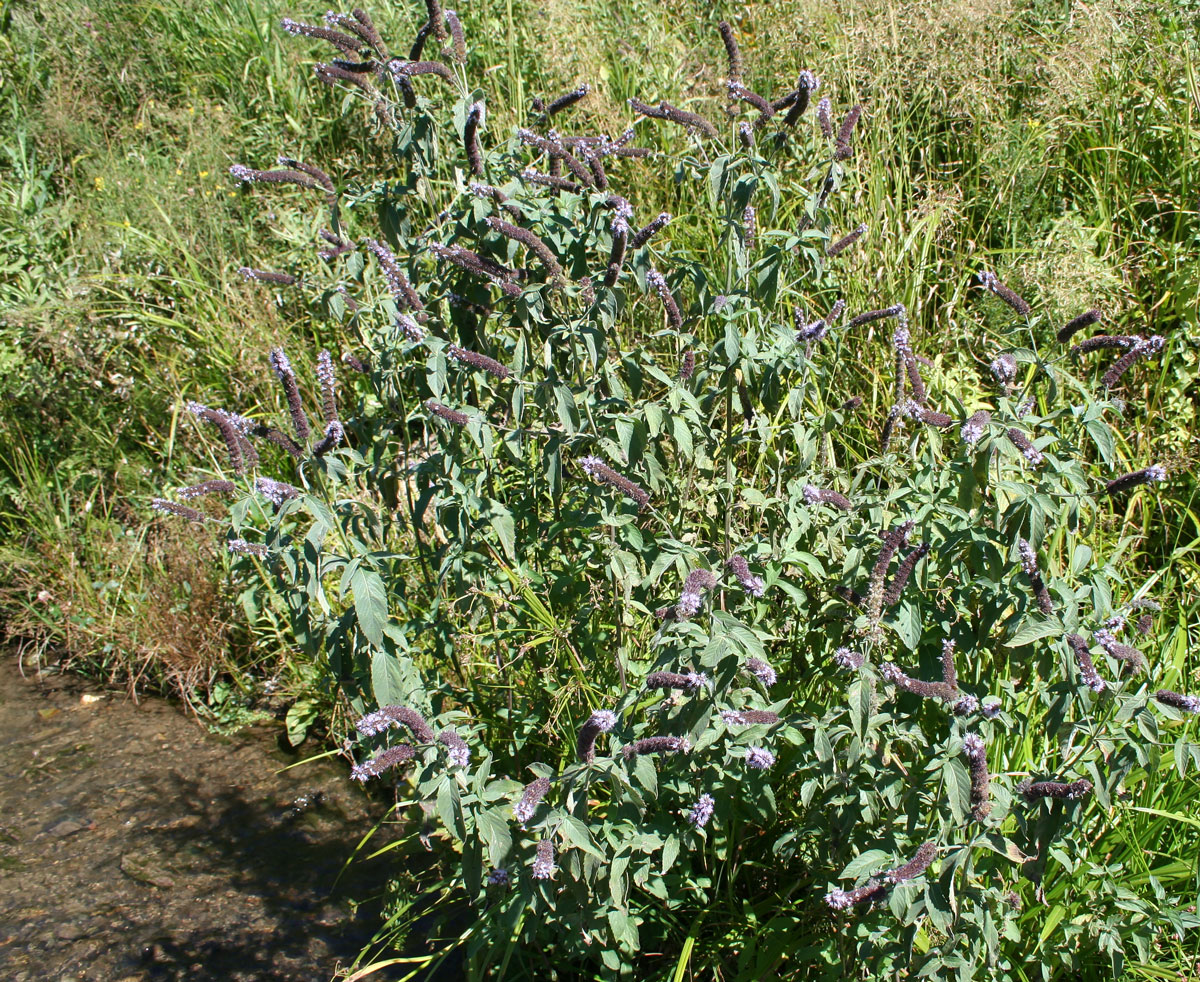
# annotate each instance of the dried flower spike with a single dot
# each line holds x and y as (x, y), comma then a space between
(543, 863)
(1142, 349)
(915, 866)
(531, 242)
(600, 472)
(446, 413)
(656, 280)
(989, 281)
(1122, 652)
(1086, 319)
(896, 310)
(731, 50)
(1083, 659)
(567, 99)
(476, 360)
(644, 234)
(840, 899)
(287, 378)
(471, 137)
(687, 366)
(1023, 443)
(846, 241)
(893, 539)
(179, 511)
(266, 276)
(601, 721)
(1147, 475)
(206, 487)
(1029, 564)
(383, 761)
(656, 745)
(895, 675)
(399, 287)
(976, 754)
(1031, 791)
(326, 380)
(691, 682)
(748, 717)
(531, 797)
(824, 108)
(824, 496)
(752, 584)
(903, 572)
(1176, 700)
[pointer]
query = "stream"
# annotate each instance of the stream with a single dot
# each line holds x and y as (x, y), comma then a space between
(135, 845)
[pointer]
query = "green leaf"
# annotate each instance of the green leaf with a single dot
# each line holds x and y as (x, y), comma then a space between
(449, 809)
(505, 529)
(300, 716)
(616, 880)
(494, 827)
(822, 747)
(865, 862)
(670, 852)
(958, 787)
(578, 835)
(1005, 847)
(370, 602)
(394, 679)
(1033, 630)
(647, 776)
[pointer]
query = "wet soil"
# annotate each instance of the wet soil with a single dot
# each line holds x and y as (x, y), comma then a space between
(135, 845)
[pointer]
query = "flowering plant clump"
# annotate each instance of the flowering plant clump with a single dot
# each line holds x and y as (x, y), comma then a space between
(568, 548)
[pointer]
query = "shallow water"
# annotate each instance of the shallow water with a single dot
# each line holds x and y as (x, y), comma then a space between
(134, 845)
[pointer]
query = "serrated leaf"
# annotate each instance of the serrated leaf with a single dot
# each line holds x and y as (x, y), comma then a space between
(822, 747)
(958, 787)
(577, 834)
(866, 862)
(370, 602)
(1035, 629)
(494, 827)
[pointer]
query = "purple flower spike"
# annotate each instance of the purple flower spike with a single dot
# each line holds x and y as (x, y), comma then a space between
(702, 811)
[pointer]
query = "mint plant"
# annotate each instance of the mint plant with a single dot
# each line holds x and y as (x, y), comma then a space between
(675, 634)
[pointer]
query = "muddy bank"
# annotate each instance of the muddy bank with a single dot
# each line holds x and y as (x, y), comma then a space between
(133, 845)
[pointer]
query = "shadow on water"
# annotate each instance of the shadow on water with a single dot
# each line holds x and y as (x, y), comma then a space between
(135, 846)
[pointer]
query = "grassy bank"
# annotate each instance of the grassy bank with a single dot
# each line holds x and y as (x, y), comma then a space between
(1050, 142)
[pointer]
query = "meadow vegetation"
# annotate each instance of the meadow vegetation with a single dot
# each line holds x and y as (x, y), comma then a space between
(656, 514)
